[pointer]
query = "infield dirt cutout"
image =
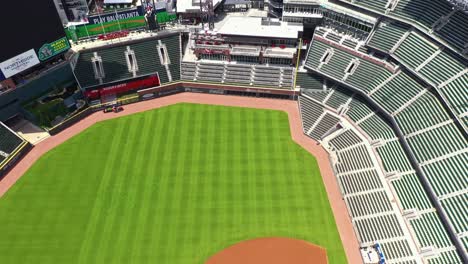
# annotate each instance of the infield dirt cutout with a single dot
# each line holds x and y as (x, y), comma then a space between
(274, 250)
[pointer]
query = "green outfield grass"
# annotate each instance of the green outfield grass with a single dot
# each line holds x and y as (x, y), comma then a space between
(173, 185)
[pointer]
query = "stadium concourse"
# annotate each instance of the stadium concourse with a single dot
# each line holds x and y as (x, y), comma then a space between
(378, 88)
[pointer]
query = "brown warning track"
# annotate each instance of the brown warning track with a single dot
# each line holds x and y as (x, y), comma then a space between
(342, 218)
(275, 250)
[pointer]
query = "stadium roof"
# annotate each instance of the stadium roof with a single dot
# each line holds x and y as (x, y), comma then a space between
(257, 27)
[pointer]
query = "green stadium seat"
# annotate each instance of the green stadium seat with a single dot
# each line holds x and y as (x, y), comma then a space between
(387, 35)
(411, 193)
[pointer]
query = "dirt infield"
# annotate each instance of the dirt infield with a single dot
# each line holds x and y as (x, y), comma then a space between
(274, 250)
(342, 218)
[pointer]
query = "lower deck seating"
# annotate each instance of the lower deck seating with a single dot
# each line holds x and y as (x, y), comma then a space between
(369, 203)
(378, 228)
(353, 159)
(339, 97)
(345, 139)
(325, 124)
(360, 181)
(393, 157)
(9, 141)
(310, 112)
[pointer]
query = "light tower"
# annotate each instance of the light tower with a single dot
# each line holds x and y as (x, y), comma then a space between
(207, 13)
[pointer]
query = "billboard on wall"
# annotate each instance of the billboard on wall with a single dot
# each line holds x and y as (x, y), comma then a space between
(28, 27)
(109, 17)
(19, 63)
(50, 50)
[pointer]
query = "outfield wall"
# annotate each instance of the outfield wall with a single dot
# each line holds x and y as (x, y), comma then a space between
(11, 101)
(179, 87)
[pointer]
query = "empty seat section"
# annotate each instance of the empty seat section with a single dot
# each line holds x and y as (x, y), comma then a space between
(368, 203)
(114, 64)
(377, 128)
(422, 13)
(148, 61)
(455, 31)
(414, 42)
(377, 5)
(396, 92)
(173, 49)
(346, 139)
(378, 228)
(443, 66)
(396, 249)
(9, 141)
(84, 70)
(360, 181)
(411, 193)
(457, 208)
(324, 125)
(316, 51)
(393, 157)
(424, 112)
(310, 112)
(387, 35)
(316, 94)
(333, 37)
(337, 64)
(349, 43)
(358, 109)
(306, 80)
(430, 231)
(437, 142)
(456, 93)
(368, 76)
(339, 97)
(448, 175)
(352, 159)
(446, 257)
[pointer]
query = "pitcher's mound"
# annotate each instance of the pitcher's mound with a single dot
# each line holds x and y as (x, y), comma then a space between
(271, 251)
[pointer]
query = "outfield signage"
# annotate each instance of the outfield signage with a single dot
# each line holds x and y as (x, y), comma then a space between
(50, 50)
(19, 63)
(109, 17)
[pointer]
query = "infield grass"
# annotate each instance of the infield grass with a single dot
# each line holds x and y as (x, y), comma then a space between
(172, 185)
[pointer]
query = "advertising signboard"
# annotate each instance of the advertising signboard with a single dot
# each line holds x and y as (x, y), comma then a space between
(19, 63)
(109, 17)
(50, 50)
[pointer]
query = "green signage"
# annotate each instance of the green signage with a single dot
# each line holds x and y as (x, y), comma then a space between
(49, 50)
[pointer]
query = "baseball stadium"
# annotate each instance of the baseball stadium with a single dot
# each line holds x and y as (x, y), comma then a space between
(234, 131)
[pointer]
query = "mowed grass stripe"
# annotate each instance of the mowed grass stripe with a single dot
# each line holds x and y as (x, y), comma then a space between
(173, 185)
